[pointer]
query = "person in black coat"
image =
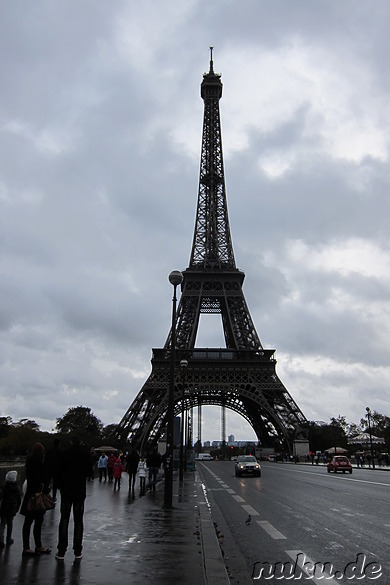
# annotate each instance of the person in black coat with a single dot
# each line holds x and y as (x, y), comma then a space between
(153, 462)
(52, 463)
(37, 481)
(132, 461)
(75, 468)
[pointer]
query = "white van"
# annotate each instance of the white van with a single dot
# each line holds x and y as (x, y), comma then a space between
(204, 457)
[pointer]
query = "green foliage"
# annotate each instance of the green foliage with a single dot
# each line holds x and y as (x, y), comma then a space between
(5, 426)
(380, 426)
(79, 420)
(110, 436)
(323, 436)
(20, 438)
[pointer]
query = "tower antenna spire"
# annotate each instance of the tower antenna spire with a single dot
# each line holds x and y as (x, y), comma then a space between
(211, 60)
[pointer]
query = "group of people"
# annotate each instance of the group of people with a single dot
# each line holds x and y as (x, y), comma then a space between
(111, 467)
(143, 467)
(68, 472)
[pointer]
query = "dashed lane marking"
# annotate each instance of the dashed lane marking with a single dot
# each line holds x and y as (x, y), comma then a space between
(308, 566)
(238, 499)
(271, 530)
(250, 510)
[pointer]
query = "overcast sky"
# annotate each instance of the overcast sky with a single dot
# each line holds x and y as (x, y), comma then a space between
(100, 136)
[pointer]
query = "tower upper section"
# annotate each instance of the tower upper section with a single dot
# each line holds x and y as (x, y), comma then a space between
(212, 245)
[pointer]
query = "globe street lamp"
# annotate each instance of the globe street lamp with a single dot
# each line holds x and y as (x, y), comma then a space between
(370, 433)
(183, 366)
(175, 278)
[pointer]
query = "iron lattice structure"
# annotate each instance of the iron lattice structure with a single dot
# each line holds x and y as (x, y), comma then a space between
(241, 377)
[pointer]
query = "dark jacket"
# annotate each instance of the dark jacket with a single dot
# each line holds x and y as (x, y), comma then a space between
(10, 499)
(37, 480)
(132, 461)
(52, 463)
(153, 460)
(75, 468)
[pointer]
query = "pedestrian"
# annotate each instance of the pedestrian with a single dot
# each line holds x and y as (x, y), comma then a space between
(110, 467)
(132, 461)
(76, 468)
(118, 470)
(94, 460)
(37, 481)
(10, 500)
(153, 462)
(52, 462)
(102, 466)
(142, 473)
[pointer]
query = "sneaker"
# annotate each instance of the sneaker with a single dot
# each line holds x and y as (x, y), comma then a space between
(60, 557)
(78, 557)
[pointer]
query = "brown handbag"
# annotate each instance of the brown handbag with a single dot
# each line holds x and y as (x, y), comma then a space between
(40, 502)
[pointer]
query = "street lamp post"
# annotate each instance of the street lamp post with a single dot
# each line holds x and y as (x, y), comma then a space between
(175, 278)
(370, 433)
(183, 366)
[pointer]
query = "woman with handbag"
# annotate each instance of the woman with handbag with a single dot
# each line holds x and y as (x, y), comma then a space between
(36, 482)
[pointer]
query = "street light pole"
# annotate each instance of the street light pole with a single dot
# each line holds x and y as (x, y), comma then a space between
(183, 366)
(175, 278)
(370, 433)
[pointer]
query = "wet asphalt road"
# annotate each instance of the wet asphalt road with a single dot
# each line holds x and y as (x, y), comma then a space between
(301, 510)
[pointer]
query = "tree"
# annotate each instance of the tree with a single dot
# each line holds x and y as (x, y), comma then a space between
(110, 435)
(380, 426)
(5, 425)
(26, 423)
(350, 429)
(80, 420)
(324, 436)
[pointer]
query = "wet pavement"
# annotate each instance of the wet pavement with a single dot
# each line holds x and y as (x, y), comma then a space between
(127, 541)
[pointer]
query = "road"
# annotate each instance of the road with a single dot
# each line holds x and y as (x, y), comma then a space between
(301, 515)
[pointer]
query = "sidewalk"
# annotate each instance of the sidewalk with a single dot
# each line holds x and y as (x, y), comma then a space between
(128, 541)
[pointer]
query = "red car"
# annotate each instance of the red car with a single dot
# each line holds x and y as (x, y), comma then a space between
(340, 463)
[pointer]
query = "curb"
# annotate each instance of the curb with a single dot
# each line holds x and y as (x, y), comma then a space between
(214, 565)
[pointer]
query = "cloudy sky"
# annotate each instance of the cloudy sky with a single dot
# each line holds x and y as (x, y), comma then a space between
(100, 135)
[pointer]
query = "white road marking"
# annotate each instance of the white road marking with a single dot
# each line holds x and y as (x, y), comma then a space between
(333, 476)
(271, 530)
(307, 566)
(251, 510)
(238, 499)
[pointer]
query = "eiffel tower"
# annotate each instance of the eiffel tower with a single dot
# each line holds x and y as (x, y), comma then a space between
(240, 377)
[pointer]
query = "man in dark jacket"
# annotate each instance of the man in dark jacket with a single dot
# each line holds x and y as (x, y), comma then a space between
(75, 468)
(153, 462)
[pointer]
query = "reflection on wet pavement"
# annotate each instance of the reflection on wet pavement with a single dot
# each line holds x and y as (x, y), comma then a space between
(125, 541)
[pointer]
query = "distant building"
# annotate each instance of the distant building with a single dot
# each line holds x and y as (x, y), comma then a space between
(231, 439)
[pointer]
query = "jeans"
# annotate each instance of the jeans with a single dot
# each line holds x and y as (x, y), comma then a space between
(29, 518)
(142, 481)
(153, 472)
(67, 502)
